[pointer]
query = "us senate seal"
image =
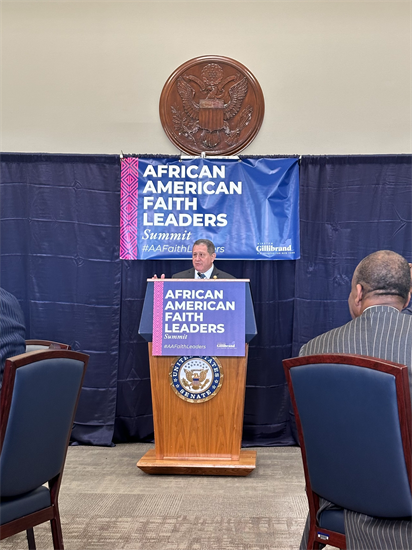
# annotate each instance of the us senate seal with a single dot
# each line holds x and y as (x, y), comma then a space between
(196, 379)
(212, 104)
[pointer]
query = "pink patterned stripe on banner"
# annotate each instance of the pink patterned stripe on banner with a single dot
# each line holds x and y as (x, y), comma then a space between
(157, 336)
(128, 208)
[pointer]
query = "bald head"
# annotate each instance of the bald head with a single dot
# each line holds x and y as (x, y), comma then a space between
(382, 278)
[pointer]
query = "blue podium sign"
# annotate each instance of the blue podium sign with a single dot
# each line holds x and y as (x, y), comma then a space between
(197, 317)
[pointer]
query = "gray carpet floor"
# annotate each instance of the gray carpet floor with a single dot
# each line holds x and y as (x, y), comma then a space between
(106, 502)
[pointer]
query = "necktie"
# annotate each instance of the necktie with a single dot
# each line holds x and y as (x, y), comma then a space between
(201, 275)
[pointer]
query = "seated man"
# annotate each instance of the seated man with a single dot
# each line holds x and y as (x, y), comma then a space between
(12, 329)
(203, 256)
(381, 288)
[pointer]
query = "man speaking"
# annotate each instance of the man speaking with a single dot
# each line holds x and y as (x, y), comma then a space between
(203, 256)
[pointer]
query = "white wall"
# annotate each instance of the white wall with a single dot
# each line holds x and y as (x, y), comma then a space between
(85, 77)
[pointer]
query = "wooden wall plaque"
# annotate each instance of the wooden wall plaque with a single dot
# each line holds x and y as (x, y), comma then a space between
(211, 105)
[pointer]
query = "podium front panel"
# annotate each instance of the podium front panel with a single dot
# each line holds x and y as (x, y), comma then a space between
(211, 429)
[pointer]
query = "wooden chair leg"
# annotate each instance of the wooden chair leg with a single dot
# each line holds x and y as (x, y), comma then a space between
(57, 534)
(30, 538)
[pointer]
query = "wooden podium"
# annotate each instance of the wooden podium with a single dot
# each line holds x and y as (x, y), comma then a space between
(198, 438)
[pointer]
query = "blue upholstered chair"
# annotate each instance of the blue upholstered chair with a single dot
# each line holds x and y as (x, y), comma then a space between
(38, 402)
(36, 345)
(353, 416)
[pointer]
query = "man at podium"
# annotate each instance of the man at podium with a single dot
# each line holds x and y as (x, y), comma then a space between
(203, 256)
(198, 400)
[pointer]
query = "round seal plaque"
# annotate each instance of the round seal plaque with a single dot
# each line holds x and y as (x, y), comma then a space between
(196, 379)
(211, 105)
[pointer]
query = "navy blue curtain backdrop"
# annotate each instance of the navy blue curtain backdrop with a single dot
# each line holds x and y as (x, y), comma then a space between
(350, 206)
(60, 257)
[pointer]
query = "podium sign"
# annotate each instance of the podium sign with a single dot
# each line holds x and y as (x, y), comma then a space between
(198, 317)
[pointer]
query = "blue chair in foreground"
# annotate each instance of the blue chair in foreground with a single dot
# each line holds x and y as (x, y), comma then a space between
(353, 416)
(36, 345)
(38, 403)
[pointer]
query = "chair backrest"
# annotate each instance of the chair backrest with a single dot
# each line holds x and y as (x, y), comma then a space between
(37, 407)
(36, 345)
(353, 415)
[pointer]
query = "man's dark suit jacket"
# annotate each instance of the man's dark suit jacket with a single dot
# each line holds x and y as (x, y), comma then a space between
(12, 329)
(190, 274)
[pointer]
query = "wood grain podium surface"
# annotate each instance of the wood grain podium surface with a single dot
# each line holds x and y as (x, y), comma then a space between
(198, 437)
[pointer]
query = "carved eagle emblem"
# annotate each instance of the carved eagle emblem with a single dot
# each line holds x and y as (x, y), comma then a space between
(209, 106)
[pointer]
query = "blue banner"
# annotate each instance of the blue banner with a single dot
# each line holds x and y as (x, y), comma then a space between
(249, 208)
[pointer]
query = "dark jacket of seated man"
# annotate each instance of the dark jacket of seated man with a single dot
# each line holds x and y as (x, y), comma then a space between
(12, 329)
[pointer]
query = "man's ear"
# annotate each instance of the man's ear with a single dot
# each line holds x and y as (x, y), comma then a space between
(359, 294)
(408, 299)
